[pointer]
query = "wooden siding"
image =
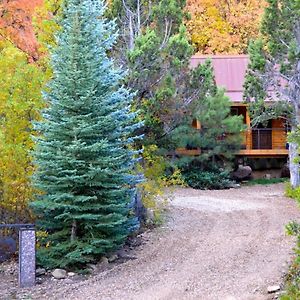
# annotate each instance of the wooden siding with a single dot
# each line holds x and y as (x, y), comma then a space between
(279, 137)
(278, 134)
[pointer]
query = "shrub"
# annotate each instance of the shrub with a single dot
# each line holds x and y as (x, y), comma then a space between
(293, 228)
(211, 179)
(292, 193)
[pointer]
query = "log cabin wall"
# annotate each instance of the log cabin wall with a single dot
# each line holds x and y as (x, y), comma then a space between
(279, 136)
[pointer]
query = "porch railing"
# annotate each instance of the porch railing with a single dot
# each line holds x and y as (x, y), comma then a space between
(265, 138)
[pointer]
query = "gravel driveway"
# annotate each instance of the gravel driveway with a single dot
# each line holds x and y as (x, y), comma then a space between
(215, 245)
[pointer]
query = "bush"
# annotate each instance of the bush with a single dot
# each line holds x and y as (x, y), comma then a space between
(292, 193)
(293, 278)
(207, 180)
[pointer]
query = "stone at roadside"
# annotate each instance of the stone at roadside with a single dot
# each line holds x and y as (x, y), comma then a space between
(40, 272)
(112, 258)
(268, 176)
(273, 289)
(104, 260)
(233, 185)
(38, 280)
(71, 274)
(123, 254)
(242, 173)
(59, 273)
(92, 267)
(68, 280)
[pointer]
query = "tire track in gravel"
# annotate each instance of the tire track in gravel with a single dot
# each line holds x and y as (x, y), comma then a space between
(215, 245)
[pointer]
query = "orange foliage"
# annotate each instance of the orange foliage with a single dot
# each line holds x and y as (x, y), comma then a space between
(16, 24)
(223, 26)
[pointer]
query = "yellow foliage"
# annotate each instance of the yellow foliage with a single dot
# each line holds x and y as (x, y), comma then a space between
(153, 192)
(20, 102)
(223, 26)
(152, 188)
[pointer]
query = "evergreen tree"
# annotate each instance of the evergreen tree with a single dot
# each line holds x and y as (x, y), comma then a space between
(275, 66)
(84, 161)
(219, 136)
(154, 46)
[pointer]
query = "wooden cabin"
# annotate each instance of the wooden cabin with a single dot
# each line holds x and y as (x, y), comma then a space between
(261, 141)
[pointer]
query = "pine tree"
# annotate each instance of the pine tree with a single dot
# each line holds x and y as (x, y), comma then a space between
(84, 157)
(219, 137)
(275, 66)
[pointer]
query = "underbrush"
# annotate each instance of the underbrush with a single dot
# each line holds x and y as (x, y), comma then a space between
(292, 284)
(207, 180)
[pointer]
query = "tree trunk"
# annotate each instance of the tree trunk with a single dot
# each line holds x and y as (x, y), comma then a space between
(73, 230)
(294, 167)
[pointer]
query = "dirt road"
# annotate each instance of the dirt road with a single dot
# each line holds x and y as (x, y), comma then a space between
(215, 245)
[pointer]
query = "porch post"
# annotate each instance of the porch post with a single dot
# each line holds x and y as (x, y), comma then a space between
(249, 132)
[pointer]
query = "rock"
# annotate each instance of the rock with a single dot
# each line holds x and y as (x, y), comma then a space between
(233, 185)
(39, 281)
(59, 274)
(242, 173)
(71, 274)
(285, 171)
(40, 272)
(150, 216)
(273, 289)
(92, 267)
(112, 258)
(68, 281)
(268, 176)
(122, 254)
(104, 260)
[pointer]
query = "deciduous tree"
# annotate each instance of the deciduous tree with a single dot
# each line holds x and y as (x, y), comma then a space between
(16, 25)
(223, 26)
(20, 102)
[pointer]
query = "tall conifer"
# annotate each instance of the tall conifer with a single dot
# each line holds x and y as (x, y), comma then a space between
(83, 157)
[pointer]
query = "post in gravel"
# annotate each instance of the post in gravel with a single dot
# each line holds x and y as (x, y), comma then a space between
(26, 257)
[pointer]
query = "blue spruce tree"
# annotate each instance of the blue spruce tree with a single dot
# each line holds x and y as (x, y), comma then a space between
(84, 156)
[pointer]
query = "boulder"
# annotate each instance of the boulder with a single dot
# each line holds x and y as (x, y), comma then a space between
(242, 173)
(285, 171)
(59, 274)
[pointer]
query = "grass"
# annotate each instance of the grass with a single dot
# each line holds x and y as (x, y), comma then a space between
(265, 181)
(291, 288)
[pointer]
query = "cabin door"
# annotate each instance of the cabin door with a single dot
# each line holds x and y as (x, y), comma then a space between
(262, 136)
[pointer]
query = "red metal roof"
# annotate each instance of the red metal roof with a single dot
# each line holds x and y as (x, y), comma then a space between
(230, 71)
